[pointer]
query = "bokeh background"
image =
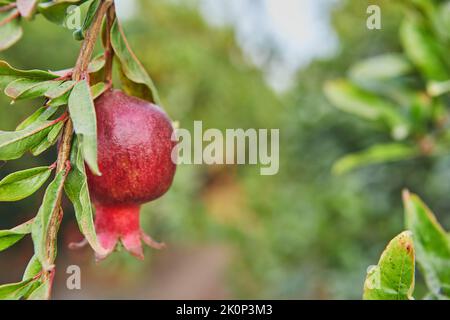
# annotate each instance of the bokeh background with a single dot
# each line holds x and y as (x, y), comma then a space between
(232, 233)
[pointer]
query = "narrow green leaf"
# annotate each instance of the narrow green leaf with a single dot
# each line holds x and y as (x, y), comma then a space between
(437, 88)
(56, 11)
(41, 224)
(432, 245)
(82, 112)
(97, 63)
(41, 292)
(77, 190)
(13, 144)
(33, 268)
(10, 237)
(9, 74)
(21, 89)
(90, 14)
(10, 33)
(42, 114)
(98, 89)
(423, 50)
(393, 277)
(58, 91)
(49, 140)
(376, 154)
(15, 291)
(140, 84)
(22, 184)
(367, 105)
(383, 67)
(59, 101)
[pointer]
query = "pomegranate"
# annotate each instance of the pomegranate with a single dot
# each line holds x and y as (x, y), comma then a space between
(134, 157)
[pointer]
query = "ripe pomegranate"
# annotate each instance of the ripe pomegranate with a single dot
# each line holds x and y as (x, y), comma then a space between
(134, 157)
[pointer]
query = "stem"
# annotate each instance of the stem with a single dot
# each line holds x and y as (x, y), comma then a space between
(109, 52)
(8, 7)
(13, 15)
(79, 73)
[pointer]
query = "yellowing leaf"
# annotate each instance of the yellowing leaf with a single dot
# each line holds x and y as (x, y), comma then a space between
(432, 245)
(393, 277)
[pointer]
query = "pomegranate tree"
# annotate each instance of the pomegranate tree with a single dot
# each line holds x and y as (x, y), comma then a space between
(114, 147)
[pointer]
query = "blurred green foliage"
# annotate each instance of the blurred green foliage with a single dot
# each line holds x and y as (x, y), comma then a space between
(304, 233)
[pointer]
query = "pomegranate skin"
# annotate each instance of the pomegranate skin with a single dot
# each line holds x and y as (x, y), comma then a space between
(134, 150)
(134, 158)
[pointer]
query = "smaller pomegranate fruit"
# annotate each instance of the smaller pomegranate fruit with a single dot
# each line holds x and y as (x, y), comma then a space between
(134, 157)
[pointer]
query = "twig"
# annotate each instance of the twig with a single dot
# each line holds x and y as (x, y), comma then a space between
(109, 52)
(8, 7)
(13, 15)
(79, 73)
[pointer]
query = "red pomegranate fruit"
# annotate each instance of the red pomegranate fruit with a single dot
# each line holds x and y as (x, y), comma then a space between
(134, 157)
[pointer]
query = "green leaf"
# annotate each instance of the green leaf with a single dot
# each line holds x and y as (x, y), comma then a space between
(60, 90)
(393, 277)
(13, 144)
(97, 63)
(82, 113)
(423, 50)
(22, 184)
(15, 291)
(10, 237)
(29, 89)
(42, 114)
(432, 245)
(383, 67)
(364, 104)
(10, 33)
(437, 88)
(27, 8)
(76, 188)
(93, 7)
(49, 140)
(41, 292)
(56, 11)
(137, 81)
(42, 221)
(60, 101)
(376, 154)
(98, 89)
(33, 268)
(9, 74)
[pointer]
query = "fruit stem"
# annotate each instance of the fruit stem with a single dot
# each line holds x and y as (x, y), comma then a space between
(109, 52)
(79, 73)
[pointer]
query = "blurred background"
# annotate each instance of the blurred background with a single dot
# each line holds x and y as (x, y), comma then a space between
(304, 233)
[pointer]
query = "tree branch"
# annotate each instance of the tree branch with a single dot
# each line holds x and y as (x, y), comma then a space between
(79, 73)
